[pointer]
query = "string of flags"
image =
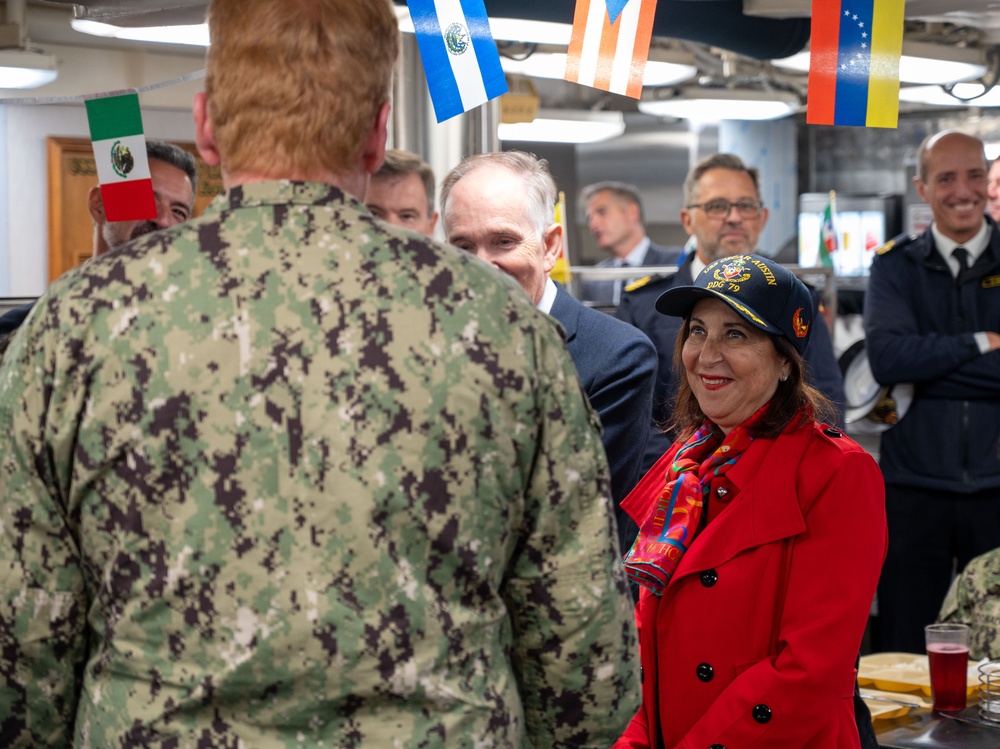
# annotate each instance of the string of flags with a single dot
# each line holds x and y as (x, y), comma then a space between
(855, 48)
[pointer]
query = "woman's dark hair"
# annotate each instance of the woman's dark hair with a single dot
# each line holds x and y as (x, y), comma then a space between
(793, 397)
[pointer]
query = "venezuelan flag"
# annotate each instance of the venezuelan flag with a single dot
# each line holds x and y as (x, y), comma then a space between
(854, 62)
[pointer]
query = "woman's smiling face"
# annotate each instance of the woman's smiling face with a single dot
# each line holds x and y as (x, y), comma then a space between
(732, 367)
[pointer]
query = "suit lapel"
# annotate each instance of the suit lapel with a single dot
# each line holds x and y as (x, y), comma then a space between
(566, 310)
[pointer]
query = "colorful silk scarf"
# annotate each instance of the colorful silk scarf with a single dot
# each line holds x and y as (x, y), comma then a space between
(671, 525)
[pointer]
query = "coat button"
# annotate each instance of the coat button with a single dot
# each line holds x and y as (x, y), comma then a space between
(705, 672)
(831, 432)
(761, 713)
(709, 578)
(717, 746)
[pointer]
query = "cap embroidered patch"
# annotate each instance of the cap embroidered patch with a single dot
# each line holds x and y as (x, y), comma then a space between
(760, 290)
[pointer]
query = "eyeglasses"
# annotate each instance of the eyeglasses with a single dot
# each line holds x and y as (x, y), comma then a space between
(720, 208)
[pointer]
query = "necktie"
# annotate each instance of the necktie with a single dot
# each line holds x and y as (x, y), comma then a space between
(616, 294)
(962, 256)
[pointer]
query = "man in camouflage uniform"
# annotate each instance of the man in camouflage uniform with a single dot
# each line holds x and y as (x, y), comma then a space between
(974, 599)
(286, 476)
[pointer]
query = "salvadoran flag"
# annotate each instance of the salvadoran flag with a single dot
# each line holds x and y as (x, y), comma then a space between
(609, 45)
(854, 56)
(120, 153)
(459, 55)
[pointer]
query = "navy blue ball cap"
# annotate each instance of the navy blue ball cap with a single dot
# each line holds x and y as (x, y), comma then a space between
(760, 290)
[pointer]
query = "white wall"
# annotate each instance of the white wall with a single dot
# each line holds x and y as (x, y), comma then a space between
(771, 146)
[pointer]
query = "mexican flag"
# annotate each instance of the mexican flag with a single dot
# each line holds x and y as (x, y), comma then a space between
(828, 243)
(120, 153)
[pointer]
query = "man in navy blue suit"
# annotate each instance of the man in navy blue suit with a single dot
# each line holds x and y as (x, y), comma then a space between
(724, 213)
(500, 207)
(615, 218)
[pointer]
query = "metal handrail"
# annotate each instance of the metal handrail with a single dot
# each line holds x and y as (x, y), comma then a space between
(828, 292)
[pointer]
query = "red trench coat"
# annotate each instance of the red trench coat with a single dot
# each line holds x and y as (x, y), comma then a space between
(754, 640)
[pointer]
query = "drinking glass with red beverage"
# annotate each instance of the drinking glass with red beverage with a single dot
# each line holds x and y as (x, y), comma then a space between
(948, 657)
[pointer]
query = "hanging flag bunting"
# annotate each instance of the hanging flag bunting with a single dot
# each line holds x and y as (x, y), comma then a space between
(854, 56)
(609, 45)
(828, 242)
(120, 153)
(459, 55)
(560, 271)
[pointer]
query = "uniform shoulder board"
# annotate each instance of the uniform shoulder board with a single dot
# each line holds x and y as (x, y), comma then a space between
(639, 283)
(901, 241)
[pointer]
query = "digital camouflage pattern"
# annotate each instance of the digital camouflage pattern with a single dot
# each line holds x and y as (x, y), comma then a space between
(286, 476)
(974, 599)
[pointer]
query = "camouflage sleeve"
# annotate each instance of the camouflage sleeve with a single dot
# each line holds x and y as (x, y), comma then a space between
(950, 610)
(575, 646)
(42, 603)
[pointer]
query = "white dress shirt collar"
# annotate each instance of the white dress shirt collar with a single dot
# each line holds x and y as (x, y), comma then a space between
(637, 256)
(976, 246)
(548, 297)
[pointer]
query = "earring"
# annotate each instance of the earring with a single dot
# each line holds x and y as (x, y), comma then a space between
(784, 378)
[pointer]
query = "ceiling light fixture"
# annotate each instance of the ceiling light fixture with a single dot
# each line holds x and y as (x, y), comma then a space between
(702, 104)
(565, 126)
(509, 29)
(194, 35)
(22, 68)
(965, 95)
(553, 65)
(921, 62)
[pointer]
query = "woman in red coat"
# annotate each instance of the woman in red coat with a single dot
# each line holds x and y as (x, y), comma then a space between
(762, 532)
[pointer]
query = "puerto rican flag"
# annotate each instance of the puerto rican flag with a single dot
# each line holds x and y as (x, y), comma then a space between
(459, 55)
(610, 44)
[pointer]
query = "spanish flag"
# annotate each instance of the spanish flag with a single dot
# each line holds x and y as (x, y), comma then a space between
(854, 56)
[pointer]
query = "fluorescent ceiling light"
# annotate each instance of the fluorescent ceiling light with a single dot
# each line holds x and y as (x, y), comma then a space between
(920, 63)
(196, 35)
(553, 65)
(20, 68)
(509, 29)
(714, 105)
(937, 96)
(566, 126)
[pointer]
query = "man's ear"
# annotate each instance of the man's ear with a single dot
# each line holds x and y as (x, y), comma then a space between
(553, 240)
(686, 222)
(204, 137)
(374, 152)
(95, 204)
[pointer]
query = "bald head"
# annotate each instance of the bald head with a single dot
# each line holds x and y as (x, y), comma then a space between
(951, 179)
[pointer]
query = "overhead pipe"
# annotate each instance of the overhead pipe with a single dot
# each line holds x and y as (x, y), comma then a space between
(717, 23)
